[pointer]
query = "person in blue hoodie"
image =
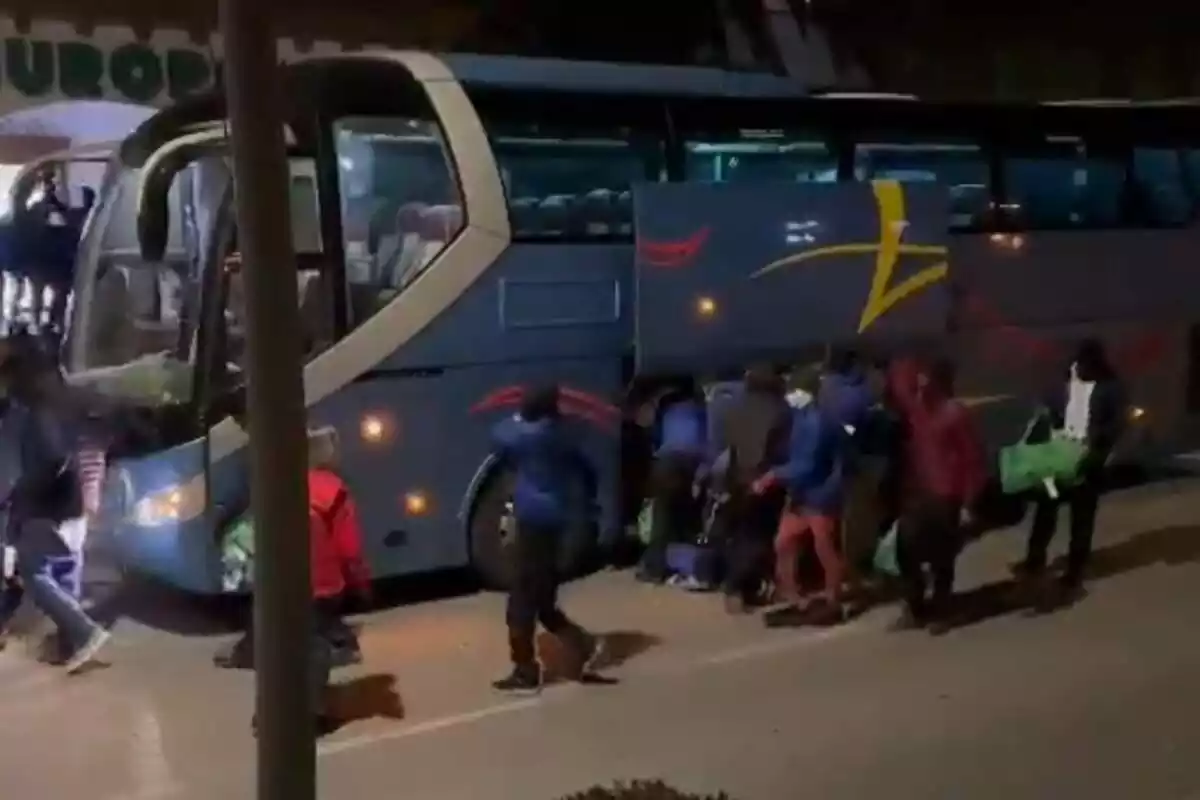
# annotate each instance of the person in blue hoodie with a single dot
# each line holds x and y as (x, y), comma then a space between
(680, 448)
(537, 446)
(848, 399)
(46, 493)
(813, 477)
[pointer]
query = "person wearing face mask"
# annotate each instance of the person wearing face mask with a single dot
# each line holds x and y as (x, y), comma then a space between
(942, 479)
(1088, 407)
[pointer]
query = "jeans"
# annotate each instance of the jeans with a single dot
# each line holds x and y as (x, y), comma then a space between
(533, 596)
(753, 522)
(37, 546)
(928, 533)
(674, 516)
(1082, 500)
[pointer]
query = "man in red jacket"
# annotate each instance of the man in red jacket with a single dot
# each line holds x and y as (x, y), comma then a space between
(943, 476)
(337, 568)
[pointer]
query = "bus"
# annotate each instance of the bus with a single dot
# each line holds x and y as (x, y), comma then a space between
(467, 227)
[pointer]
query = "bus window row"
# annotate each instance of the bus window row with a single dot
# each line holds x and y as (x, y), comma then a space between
(1060, 185)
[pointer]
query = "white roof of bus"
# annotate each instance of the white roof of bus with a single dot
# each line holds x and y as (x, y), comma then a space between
(600, 76)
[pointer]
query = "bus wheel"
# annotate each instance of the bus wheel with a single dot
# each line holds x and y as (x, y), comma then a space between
(492, 531)
(493, 534)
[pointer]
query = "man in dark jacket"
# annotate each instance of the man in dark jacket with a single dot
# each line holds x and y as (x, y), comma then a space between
(754, 431)
(47, 493)
(1089, 406)
(943, 477)
(535, 444)
(680, 446)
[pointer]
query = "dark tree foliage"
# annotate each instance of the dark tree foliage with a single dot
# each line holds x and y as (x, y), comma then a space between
(642, 790)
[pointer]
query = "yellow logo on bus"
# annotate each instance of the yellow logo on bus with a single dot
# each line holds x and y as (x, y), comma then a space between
(883, 296)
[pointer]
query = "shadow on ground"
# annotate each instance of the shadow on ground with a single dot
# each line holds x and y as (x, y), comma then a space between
(153, 605)
(619, 647)
(366, 697)
(1169, 546)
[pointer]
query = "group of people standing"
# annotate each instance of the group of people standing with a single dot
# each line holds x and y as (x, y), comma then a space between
(834, 459)
(38, 246)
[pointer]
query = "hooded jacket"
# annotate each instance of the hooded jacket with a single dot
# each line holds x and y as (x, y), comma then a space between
(847, 399)
(943, 456)
(335, 537)
(545, 458)
(813, 472)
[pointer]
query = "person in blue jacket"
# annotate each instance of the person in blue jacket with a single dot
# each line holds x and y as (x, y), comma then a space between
(848, 399)
(844, 393)
(537, 446)
(681, 442)
(813, 477)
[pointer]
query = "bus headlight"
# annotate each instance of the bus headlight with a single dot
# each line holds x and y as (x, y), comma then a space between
(174, 504)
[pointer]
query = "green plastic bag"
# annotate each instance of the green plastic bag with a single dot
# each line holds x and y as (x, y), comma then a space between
(1054, 462)
(237, 555)
(885, 561)
(645, 523)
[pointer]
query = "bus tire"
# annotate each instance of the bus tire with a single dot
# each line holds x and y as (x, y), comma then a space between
(491, 541)
(490, 546)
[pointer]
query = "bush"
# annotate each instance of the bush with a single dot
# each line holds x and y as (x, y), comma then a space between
(641, 790)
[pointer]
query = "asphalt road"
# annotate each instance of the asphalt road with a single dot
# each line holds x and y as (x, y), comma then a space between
(1096, 701)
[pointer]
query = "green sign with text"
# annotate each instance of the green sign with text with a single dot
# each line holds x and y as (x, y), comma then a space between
(131, 71)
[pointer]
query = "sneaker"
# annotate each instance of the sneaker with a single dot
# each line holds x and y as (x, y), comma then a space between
(521, 681)
(735, 604)
(907, 621)
(591, 654)
(87, 651)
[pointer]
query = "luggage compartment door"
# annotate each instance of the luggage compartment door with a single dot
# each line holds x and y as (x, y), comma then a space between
(729, 273)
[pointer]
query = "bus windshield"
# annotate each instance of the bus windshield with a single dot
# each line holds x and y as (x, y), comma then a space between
(133, 331)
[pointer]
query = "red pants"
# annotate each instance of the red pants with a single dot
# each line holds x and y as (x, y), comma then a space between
(794, 525)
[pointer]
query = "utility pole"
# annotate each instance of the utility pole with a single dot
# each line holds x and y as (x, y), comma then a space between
(275, 405)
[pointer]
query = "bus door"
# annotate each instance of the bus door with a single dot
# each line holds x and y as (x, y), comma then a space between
(731, 273)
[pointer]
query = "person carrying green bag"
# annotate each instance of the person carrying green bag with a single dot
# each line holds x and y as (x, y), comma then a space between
(1088, 411)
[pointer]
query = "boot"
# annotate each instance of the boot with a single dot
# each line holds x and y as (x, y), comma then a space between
(525, 679)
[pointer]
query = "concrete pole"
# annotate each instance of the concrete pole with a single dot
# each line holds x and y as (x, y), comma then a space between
(275, 399)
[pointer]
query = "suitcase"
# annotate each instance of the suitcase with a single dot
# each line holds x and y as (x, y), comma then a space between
(697, 564)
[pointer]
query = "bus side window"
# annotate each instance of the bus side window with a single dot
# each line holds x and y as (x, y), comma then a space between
(1059, 185)
(573, 185)
(756, 156)
(1158, 177)
(962, 167)
(400, 205)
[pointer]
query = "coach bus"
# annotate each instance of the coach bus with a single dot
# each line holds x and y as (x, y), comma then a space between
(469, 226)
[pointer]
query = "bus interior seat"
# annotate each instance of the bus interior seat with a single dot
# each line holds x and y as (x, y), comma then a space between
(624, 213)
(316, 310)
(437, 226)
(554, 213)
(522, 215)
(400, 245)
(595, 214)
(113, 329)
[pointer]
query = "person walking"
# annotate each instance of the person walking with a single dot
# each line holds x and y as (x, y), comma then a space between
(536, 445)
(47, 493)
(752, 435)
(1089, 407)
(681, 443)
(813, 477)
(944, 476)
